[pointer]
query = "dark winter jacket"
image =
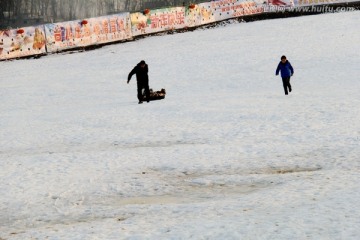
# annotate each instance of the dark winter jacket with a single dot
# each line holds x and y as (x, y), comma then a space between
(286, 69)
(141, 74)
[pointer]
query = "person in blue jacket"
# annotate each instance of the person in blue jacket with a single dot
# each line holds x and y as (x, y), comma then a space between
(286, 72)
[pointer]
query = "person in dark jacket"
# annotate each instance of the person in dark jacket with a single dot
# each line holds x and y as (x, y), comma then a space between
(141, 71)
(286, 72)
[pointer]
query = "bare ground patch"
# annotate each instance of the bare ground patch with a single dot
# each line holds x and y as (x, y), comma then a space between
(286, 170)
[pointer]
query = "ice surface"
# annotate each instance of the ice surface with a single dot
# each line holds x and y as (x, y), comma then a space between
(226, 155)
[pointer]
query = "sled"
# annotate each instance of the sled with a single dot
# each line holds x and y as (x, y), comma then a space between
(155, 95)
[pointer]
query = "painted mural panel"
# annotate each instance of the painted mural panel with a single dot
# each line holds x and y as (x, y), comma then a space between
(22, 42)
(158, 20)
(87, 32)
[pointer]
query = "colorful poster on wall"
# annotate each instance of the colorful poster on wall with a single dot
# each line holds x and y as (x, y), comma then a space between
(111, 28)
(299, 3)
(87, 32)
(158, 20)
(288, 3)
(66, 35)
(194, 17)
(279, 5)
(205, 13)
(22, 42)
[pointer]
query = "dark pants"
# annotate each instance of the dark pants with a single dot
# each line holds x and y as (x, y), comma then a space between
(286, 84)
(140, 87)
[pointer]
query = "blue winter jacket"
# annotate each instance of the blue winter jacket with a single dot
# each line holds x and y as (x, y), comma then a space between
(285, 68)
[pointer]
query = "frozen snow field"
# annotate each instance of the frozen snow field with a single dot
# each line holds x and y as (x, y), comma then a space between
(226, 155)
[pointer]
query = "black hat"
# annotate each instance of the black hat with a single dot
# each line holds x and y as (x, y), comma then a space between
(283, 57)
(142, 62)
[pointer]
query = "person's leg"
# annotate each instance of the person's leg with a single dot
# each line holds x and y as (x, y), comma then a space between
(147, 92)
(285, 85)
(289, 85)
(139, 93)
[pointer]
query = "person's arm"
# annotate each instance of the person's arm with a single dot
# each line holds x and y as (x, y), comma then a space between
(130, 74)
(277, 70)
(291, 69)
(147, 70)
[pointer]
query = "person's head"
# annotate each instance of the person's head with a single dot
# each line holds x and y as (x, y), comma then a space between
(142, 63)
(283, 58)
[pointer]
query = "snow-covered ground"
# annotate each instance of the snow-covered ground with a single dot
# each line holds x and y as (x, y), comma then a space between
(226, 155)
